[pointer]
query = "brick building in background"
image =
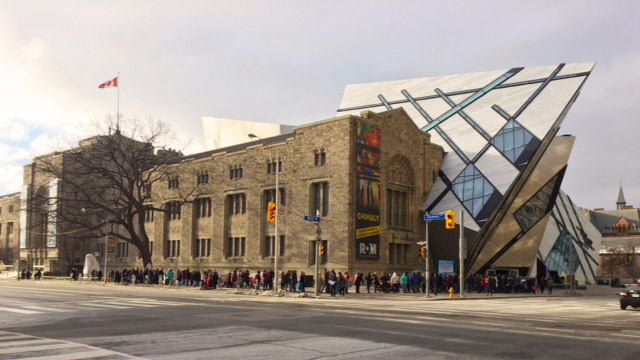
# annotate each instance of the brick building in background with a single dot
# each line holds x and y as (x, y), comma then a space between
(620, 229)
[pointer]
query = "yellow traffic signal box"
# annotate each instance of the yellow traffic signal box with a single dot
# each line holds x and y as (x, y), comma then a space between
(271, 212)
(450, 220)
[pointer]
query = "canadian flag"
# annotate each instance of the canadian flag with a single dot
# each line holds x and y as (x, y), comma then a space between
(109, 83)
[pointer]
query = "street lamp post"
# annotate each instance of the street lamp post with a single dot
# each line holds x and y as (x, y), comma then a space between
(277, 240)
(276, 279)
(106, 248)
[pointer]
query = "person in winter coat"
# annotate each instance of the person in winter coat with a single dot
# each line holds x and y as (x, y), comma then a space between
(368, 280)
(404, 280)
(395, 282)
(357, 280)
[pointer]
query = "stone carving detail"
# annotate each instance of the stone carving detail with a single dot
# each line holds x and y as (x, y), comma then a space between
(400, 174)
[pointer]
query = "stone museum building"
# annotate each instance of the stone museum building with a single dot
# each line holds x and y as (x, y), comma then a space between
(9, 228)
(484, 143)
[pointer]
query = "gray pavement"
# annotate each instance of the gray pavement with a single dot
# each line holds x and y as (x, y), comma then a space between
(97, 321)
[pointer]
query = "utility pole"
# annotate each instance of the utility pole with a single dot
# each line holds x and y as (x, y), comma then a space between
(106, 248)
(571, 290)
(426, 240)
(462, 254)
(277, 239)
(633, 263)
(316, 277)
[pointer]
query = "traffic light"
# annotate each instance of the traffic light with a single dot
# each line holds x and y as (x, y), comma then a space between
(423, 252)
(450, 220)
(271, 212)
(321, 250)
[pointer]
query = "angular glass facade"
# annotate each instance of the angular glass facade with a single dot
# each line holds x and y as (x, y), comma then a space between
(559, 258)
(537, 207)
(512, 140)
(472, 189)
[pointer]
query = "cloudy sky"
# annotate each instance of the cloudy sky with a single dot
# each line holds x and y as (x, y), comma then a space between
(288, 62)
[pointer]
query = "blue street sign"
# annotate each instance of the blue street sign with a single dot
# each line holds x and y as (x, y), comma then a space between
(434, 217)
(317, 219)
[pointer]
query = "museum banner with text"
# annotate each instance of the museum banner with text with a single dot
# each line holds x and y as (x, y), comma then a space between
(367, 191)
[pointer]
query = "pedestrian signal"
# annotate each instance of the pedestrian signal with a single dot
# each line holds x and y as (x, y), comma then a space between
(271, 212)
(450, 220)
(423, 252)
(321, 250)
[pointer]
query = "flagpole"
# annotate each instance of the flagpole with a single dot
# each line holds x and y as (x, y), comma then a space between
(118, 110)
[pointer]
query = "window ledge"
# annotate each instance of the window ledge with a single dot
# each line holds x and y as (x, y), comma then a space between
(397, 228)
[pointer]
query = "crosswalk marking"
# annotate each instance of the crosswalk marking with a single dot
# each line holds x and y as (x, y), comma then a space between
(19, 311)
(38, 348)
(101, 305)
(105, 304)
(74, 356)
(27, 342)
(12, 337)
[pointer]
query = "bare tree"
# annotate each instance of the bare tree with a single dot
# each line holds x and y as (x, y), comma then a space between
(8, 255)
(618, 262)
(104, 184)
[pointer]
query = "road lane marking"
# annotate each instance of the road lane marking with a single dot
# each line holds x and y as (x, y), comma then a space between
(627, 335)
(487, 323)
(552, 329)
(129, 304)
(89, 304)
(19, 311)
(33, 307)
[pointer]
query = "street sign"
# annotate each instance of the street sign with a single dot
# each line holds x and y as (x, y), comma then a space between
(313, 219)
(445, 266)
(282, 211)
(434, 217)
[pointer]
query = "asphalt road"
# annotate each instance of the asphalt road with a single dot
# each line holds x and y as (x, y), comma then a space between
(77, 321)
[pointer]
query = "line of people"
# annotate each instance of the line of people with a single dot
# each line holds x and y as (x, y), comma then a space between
(331, 282)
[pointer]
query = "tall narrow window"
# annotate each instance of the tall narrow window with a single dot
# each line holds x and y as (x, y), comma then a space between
(229, 247)
(174, 210)
(237, 204)
(320, 199)
(202, 207)
(268, 243)
(270, 197)
(174, 182)
(202, 177)
(282, 245)
(274, 165)
(397, 208)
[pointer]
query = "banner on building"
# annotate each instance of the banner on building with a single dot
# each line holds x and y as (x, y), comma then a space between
(367, 191)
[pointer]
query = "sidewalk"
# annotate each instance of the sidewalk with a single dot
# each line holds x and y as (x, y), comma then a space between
(591, 290)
